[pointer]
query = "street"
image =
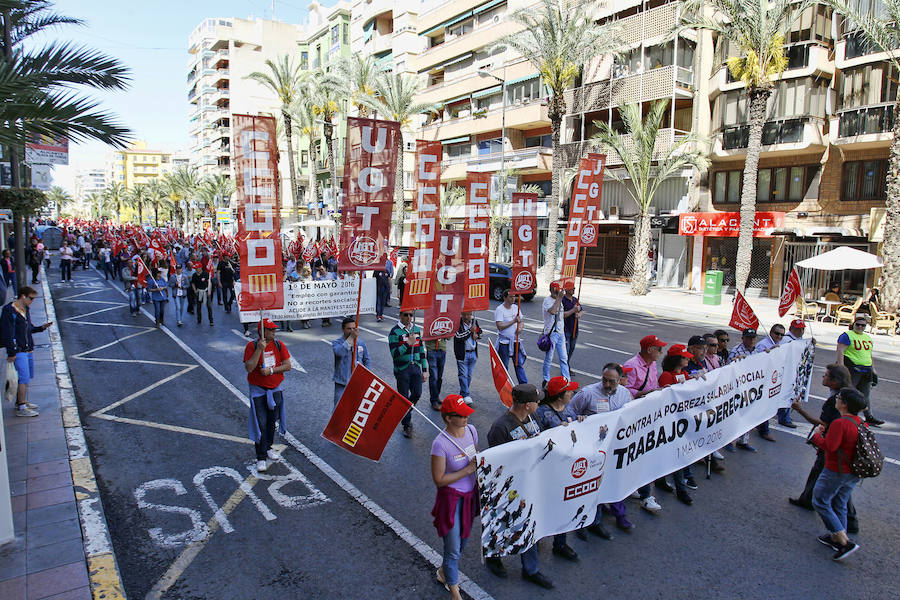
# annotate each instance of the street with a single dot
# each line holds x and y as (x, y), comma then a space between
(165, 417)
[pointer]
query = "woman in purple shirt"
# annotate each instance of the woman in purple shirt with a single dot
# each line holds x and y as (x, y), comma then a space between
(453, 472)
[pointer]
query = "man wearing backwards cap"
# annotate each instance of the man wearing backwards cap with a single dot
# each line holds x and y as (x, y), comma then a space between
(642, 379)
(266, 360)
(517, 424)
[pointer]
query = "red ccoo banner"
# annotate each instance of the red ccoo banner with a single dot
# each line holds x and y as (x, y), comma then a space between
(478, 222)
(442, 315)
(524, 243)
(366, 416)
(369, 170)
(255, 147)
(419, 292)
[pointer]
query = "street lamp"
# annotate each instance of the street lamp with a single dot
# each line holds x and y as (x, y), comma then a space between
(502, 184)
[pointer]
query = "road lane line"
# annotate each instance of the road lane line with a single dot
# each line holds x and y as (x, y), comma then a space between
(175, 428)
(606, 348)
(143, 390)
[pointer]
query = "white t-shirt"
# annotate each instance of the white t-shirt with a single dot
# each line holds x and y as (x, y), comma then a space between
(549, 319)
(502, 315)
(65, 253)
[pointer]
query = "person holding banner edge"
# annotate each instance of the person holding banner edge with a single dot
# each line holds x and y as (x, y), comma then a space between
(453, 464)
(410, 365)
(465, 349)
(266, 360)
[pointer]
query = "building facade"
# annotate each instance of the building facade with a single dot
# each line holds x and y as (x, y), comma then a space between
(137, 165)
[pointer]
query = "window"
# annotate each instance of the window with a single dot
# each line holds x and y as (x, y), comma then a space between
(460, 29)
(864, 180)
(524, 91)
(304, 60)
(491, 146)
(776, 184)
(335, 35)
(814, 23)
(436, 79)
(460, 109)
(867, 85)
(539, 141)
(436, 40)
(346, 28)
(457, 150)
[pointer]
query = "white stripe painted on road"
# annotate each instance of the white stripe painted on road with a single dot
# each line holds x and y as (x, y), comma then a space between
(175, 428)
(803, 430)
(606, 348)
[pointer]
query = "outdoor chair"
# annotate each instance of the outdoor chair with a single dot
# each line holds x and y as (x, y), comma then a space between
(847, 312)
(882, 319)
(805, 310)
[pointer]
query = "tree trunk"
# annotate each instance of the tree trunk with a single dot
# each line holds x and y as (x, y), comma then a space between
(140, 214)
(642, 249)
(292, 176)
(313, 194)
(493, 243)
(399, 203)
(758, 99)
(890, 247)
(556, 111)
(332, 166)
(156, 214)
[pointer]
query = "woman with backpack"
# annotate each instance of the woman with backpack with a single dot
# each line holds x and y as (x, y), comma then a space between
(837, 480)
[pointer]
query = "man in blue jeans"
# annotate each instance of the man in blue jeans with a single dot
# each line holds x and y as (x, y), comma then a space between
(508, 319)
(436, 356)
(410, 365)
(553, 325)
(465, 348)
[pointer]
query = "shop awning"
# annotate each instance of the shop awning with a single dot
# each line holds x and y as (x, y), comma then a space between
(842, 257)
(521, 79)
(458, 140)
(448, 23)
(488, 6)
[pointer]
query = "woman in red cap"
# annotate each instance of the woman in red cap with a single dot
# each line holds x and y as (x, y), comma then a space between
(266, 360)
(453, 471)
(673, 366)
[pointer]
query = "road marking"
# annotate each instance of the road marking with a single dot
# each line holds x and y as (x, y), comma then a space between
(175, 428)
(144, 390)
(803, 430)
(294, 364)
(606, 348)
(375, 333)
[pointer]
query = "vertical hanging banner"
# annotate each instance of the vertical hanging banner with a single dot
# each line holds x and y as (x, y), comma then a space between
(369, 169)
(524, 243)
(590, 234)
(255, 147)
(477, 223)
(419, 292)
(578, 216)
(443, 313)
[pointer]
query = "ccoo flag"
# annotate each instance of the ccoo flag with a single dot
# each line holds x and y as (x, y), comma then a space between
(792, 291)
(742, 315)
(367, 415)
(501, 378)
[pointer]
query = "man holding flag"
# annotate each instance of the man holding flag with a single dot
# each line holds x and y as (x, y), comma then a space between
(200, 285)
(265, 360)
(410, 366)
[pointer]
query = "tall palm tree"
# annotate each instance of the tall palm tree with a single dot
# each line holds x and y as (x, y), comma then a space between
(453, 196)
(396, 100)
(156, 198)
(136, 198)
(60, 197)
(756, 28)
(95, 202)
(324, 94)
(557, 40)
(881, 30)
(646, 169)
(358, 74)
(183, 184)
(285, 79)
(215, 191)
(115, 195)
(305, 119)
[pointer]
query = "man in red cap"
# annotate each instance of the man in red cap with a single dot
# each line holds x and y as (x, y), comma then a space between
(572, 311)
(266, 360)
(553, 326)
(642, 379)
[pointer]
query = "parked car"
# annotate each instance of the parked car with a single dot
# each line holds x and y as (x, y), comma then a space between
(501, 280)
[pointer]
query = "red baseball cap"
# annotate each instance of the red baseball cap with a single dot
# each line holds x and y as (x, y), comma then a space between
(679, 350)
(627, 370)
(559, 384)
(267, 323)
(554, 286)
(569, 285)
(455, 404)
(798, 324)
(652, 340)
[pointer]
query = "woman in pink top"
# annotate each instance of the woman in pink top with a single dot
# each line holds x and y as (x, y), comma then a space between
(453, 472)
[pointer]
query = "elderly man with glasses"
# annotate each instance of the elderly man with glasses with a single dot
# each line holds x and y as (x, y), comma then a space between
(16, 330)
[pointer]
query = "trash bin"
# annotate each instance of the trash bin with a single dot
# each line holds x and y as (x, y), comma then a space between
(712, 288)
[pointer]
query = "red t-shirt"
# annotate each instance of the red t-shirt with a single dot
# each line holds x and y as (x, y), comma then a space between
(670, 377)
(273, 355)
(841, 435)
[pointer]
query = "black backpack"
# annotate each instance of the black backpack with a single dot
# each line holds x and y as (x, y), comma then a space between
(868, 459)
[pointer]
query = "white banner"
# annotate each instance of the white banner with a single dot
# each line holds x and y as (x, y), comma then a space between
(553, 483)
(318, 299)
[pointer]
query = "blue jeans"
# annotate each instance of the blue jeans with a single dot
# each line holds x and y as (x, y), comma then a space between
(134, 299)
(558, 344)
(570, 344)
(409, 384)
(65, 269)
(159, 310)
(338, 392)
(11, 282)
(382, 296)
(830, 497)
(453, 547)
(436, 360)
(464, 369)
(504, 350)
(108, 271)
(530, 564)
(179, 307)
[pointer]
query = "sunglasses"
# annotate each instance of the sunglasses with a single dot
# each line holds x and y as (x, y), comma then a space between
(31, 297)
(713, 345)
(776, 334)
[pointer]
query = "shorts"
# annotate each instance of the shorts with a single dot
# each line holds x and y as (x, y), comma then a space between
(25, 366)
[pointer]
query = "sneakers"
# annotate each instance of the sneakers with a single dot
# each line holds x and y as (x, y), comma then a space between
(664, 486)
(435, 406)
(624, 524)
(31, 405)
(788, 424)
(718, 455)
(566, 552)
(799, 502)
(873, 420)
(538, 578)
(468, 400)
(635, 495)
(684, 497)
(716, 467)
(845, 551)
(767, 436)
(746, 447)
(730, 447)
(826, 540)
(261, 466)
(599, 530)
(272, 454)
(495, 566)
(651, 505)
(407, 431)
(690, 483)
(24, 411)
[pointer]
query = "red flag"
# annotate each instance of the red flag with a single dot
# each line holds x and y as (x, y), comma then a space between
(792, 291)
(395, 256)
(173, 260)
(501, 378)
(478, 220)
(366, 416)
(309, 253)
(580, 210)
(524, 243)
(142, 273)
(742, 315)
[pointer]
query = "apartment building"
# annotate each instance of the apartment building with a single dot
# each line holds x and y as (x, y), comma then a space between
(87, 182)
(136, 165)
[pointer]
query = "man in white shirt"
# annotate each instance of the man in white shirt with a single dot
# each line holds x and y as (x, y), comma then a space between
(508, 319)
(553, 325)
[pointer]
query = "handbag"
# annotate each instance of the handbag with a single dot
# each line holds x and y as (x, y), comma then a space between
(544, 342)
(12, 382)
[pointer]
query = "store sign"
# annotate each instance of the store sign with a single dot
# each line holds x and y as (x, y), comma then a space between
(47, 150)
(727, 224)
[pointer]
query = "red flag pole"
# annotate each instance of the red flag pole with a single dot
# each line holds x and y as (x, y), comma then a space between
(580, 280)
(433, 424)
(356, 326)
(518, 313)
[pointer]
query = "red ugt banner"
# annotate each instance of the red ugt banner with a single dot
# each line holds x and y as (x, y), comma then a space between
(589, 234)
(366, 416)
(442, 315)
(524, 243)
(578, 217)
(478, 222)
(742, 315)
(419, 292)
(369, 169)
(259, 245)
(792, 291)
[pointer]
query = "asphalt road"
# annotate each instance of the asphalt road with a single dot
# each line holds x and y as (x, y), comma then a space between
(165, 418)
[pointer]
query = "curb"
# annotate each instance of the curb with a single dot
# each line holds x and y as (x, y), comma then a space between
(103, 570)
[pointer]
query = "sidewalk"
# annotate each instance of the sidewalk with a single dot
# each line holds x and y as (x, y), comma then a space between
(62, 548)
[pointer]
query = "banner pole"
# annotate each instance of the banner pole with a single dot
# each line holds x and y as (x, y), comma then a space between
(518, 313)
(578, 297)
(433, 424)
(356, 325)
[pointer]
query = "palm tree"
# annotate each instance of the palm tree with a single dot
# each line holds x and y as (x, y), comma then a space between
(305, 119)
(95, 202)
(59, 196)
(397, 101)
(324, 95)
(358, 74)
(183, 184)
(156, 197)
(454, 196)
(215, 191)
(285, 79)
(756, 28)
(115, 195)
(881, 31)
(136, 197)
(646, 169)
(557, 40)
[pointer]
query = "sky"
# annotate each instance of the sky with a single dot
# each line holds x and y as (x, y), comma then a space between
(150, 38)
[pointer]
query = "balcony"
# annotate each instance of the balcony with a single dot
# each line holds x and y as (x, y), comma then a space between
(478, 38)
(788, 136)
(663, 82)
(518, 116)
(379, 43)
(869, 126)
(665, 139)
(654, 23)
(523, 160)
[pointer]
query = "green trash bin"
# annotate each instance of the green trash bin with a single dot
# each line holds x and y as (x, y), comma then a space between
(712, 288)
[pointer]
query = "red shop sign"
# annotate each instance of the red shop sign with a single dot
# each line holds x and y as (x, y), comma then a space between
(727, 224)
